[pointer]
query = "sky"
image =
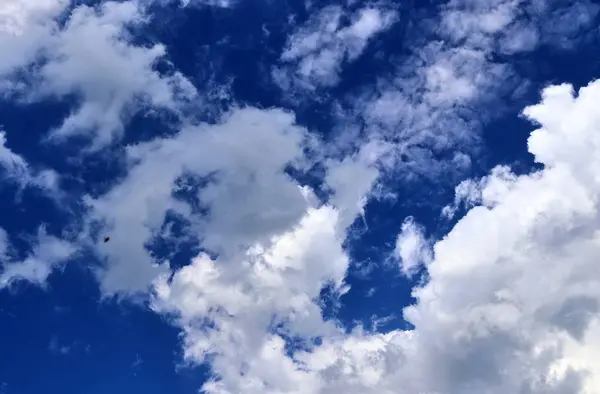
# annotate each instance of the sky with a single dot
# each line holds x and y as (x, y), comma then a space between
(360, 197)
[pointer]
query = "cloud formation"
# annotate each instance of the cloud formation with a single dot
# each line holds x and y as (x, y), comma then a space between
(16, 169)
(486, 321)
(512, 297)
(412, 247)
(249, 197)
(90, 58)
(114, 79)
(18, 16)
(316, 51)
(24, 27)
(430, 106)
(47, 254)
(228, 308)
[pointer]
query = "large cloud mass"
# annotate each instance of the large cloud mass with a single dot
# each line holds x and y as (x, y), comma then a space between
(510, 297)
(511, 304)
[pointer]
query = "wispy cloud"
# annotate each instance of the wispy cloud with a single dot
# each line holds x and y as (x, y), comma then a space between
(47, 254)
(316, 52)
(15, 168)
(430, 109)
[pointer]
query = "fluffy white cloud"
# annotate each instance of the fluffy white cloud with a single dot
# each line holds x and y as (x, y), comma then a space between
(18, 16)
(277, 246)
(47, 254)
(351, 180)
(412, 247)
(49, 251)
(511, 304)
(228, 308)
(315, 52)
(249, 197)
(512, 300)
(24, 27)
(92, 58)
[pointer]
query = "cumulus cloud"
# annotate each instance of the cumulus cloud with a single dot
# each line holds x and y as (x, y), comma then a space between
(17, 16)
(273, 246)
(47, 254)
(412, 247)
(315, 53)
(472, 192)
(228, 308)
(511, 304)
(91, 58)
(244, 195)
(248, 197)
(512, 298)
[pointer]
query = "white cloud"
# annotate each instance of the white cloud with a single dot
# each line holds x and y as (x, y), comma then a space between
(227, 308)
(315, 53)
(92, 58)
(25, 26)
(412, 247)
(488, 190)
(250, 198)
(4, 245)
(18, 16)
(511, 304)
(432, 102)
(277, 245)
(193, 3)
(351, 179)
(510, 283)
(14, 164)
(18, 170)
(48, 252)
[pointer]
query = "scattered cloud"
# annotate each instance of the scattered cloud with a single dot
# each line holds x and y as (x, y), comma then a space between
(58, 348)
(4, 244)
(47, 254)
(16, 169)
(24, 28)
(412, 247)
(511, 299)
(112, 80)
(428, 108)
(315, 53)
(90, 58)
(193, 3)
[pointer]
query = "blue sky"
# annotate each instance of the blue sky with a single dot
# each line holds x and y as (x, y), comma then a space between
(359, 197)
